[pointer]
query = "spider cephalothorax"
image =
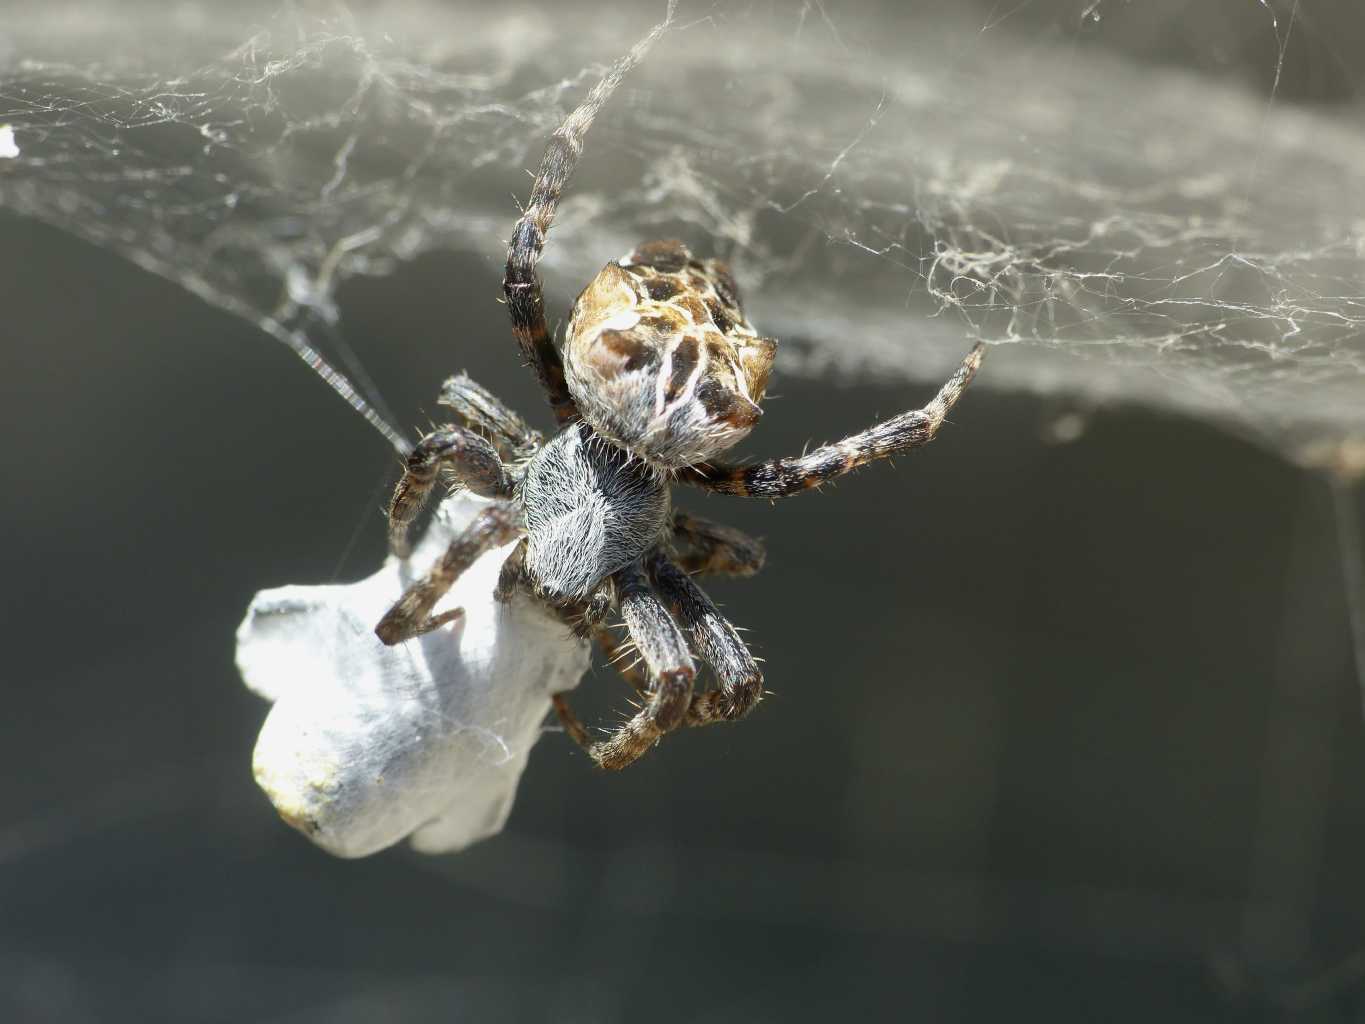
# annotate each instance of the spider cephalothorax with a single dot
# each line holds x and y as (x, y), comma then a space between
(659, 372)
(590, 509)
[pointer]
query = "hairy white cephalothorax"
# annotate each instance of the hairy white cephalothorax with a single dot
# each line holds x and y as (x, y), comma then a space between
(590, 509)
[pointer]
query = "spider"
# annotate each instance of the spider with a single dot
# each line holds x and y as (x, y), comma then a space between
(659, 372)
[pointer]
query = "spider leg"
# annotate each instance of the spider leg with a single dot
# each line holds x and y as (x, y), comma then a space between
(615, 651)
(623, 657)
(571, 722)
(741, 683)
(591, 622)
(472, 460)
(778, 478)
(411, 614)
(512, 574)
(521, 284)
(484, 413)
(595, 610)
(715, 548)
(582, 619)
(669, 691)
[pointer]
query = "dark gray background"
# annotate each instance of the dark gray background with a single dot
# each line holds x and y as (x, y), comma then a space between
(1059, 731)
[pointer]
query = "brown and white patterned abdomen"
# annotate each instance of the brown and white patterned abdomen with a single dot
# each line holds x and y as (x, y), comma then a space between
(660, 359)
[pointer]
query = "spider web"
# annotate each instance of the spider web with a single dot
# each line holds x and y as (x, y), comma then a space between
(888, 185)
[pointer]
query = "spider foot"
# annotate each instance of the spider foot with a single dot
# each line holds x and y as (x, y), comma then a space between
(729, 703)
(665, 709)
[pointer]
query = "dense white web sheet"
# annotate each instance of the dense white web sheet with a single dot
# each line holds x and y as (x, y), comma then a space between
(887, 188)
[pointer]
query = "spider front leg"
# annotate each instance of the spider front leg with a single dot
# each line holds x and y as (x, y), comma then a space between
(470, 458)
(411, 614)
(486, 414)
(668, 693)
(778, 478)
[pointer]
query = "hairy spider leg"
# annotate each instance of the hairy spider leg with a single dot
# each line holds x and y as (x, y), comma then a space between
(715, 639)
(483, 412)
(521, 284)
(778, 478)
(714, 549)
(717, 550)
(411, 614)
(473, 461)
(622, 656)
(616, 650)
(671, 672)
(570, 721)
(512, 574)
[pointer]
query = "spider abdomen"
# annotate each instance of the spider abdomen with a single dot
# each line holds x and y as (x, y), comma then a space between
(660, 359)
(590, 510)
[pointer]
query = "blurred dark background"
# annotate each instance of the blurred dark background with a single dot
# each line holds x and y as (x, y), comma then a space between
(1059, 730)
